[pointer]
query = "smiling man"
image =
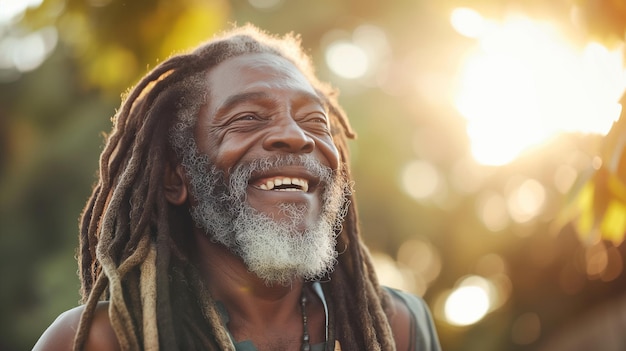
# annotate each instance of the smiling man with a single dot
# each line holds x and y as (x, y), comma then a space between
(223, 218)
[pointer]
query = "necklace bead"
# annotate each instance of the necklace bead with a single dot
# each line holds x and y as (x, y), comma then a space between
(305, 332)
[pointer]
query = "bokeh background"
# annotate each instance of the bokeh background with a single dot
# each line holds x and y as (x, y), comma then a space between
(489, 162)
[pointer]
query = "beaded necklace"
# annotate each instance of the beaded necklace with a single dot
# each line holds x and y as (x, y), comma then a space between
(305, 330)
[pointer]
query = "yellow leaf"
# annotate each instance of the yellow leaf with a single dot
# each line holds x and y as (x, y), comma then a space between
(616, 187)
(613, 224)
(584, 207)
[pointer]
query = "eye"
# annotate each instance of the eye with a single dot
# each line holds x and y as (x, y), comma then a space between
(319, 120)
(247, 116)
(316, 118)
(316, 123)
(244, 120)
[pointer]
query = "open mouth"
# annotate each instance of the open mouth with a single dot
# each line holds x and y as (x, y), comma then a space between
(282, 183)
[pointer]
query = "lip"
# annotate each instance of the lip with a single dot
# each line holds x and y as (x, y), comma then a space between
(271, 198)
(284, 172)
(270, 201)
(267, 199)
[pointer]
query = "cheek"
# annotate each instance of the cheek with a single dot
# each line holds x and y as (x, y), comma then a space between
(330, 152)
(230, 151)
(223, 149)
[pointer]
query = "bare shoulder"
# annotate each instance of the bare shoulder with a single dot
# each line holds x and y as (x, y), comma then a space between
(401, 323)
(411, 323)
(60, 334)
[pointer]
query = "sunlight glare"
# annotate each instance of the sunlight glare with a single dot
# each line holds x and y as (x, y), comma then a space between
(523, 84)
(12, 9)
(391, 274)
(422, 258)
(491, 209)
(421, 179)
(467, 22)
(347, 59)
(466, 305)
(526, 200)
(29, 52)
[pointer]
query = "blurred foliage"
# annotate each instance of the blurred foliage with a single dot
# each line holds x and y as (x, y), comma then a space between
(52, 118)
(598, 208)
(113, 41)
(605, 19)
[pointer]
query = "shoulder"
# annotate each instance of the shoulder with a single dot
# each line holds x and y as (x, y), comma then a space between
(411, 322)
(60, 334)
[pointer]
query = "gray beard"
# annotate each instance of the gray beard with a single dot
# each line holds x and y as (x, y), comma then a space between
(275, 251)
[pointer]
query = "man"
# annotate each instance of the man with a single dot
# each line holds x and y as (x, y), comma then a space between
(223, 217)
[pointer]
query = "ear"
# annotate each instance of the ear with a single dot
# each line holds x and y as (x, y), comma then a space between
(175, 185)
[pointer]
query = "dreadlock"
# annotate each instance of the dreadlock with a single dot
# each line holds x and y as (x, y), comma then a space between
(132, 241)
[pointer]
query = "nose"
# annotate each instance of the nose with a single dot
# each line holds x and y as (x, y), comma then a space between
(288, 137)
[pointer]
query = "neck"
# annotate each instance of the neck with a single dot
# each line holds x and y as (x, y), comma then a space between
(242, 292)
(269, 316)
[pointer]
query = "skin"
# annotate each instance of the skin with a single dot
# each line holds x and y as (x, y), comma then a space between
(264, 106)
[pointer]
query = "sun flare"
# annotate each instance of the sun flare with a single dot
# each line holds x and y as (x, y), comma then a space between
(523, 83)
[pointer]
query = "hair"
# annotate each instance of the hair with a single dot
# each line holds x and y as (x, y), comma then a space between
(134, 245)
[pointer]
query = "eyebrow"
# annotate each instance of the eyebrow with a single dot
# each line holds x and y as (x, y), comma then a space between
(237, 99)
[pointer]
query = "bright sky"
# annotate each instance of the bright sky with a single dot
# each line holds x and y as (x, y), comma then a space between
(524, 82)
(10, 9)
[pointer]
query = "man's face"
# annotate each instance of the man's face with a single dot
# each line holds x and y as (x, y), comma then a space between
(265, 180)
(261, 106)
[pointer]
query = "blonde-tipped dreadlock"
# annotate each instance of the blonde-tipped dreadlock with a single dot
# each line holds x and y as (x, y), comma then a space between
(133, 244)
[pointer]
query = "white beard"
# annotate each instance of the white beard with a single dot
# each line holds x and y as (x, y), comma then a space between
(276, 251)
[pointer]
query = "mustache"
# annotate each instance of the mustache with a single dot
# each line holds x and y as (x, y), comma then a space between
(242, 173)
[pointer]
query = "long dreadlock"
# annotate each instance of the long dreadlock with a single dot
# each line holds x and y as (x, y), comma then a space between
(132, 241)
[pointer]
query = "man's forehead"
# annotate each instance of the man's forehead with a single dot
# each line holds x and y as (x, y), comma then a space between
(284, 73)
(253, 74)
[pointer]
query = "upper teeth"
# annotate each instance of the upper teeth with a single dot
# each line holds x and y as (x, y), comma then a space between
(271, 183)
